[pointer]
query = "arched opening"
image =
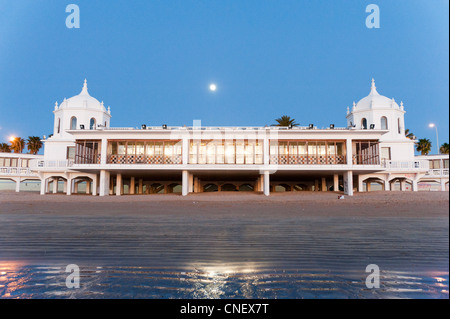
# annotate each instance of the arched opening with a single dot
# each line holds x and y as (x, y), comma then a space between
(228, 188)
(7, 184)
(246, 188)
(174, 188)
(210, 188)
(429, 186)
(364, 124)
(282, 188)
(30, 185)
(73, 123)
(373, 184)
(399, 126)
(59, 126)
(92, 124)
(156, 188)
(384, 123)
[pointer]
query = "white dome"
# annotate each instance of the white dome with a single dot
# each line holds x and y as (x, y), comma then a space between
(83, 100)
(376, 101)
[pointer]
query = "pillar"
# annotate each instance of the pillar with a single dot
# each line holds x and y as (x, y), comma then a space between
(368, 186)
(316, 185)
(65, 187)
(184, 183)
(55, 185)
(360, 184)
(141, 186)
(191, 183)
(196, 186)
(348, 183)
(387, 185)
(18, 185)
(69, 186)
(403, 185)
(324, 184)
(132, 186)
(104, 183)
(336, 182)
(88, 187)
(75, 187)
(415, 186)
(443, 185)
(119, 185)
(94, 186)
(266, 183)
(43, 181)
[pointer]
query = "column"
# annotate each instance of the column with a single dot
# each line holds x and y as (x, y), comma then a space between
(104, 183)
(132, 186)
(415, 186)
(65, 187)
(196, 186)
(55, 185)
(141, 186)
(18, 185)
(184, 183)
(442, 184)
(88, 187)
(403, 185)
(316, 185)
(324, 184)
(349, 150)
(368, 186)
(360, 184)
(185, 151)
(75, 187)
(266, 183)
(348, 183)
(103, 151)
(69, 186)
(191, 183)
(94, 186)
(43, 181)
(336, 182)
(119, 185)
(387, 185)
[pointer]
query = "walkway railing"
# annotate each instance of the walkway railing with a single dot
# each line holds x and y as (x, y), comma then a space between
(25, 171)
(438, 172)
(52, 164)
(406, 165)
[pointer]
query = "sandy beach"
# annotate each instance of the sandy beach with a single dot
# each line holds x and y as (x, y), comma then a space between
(214, 245)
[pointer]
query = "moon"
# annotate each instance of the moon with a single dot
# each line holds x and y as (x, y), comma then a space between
(212, 87)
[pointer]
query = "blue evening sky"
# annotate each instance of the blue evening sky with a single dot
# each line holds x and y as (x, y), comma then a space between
(152, 61)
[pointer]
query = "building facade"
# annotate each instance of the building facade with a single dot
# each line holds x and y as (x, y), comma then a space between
(85, 150)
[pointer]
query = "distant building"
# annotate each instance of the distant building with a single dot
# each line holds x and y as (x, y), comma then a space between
(372, 151)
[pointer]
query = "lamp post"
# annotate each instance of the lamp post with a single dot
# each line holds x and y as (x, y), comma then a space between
(431, 125)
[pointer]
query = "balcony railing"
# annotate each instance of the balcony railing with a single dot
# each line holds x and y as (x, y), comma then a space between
(53, 164)
(406, 165)
(25, 171)
(438, 172)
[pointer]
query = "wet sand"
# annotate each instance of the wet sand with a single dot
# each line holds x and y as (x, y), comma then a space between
(234, 245)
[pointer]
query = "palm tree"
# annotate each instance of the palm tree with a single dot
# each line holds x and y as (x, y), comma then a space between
(444, 148)
(409, 134)
(34, 144)
(423, 146)
(285, 121)
(17, 144)
(4, 147)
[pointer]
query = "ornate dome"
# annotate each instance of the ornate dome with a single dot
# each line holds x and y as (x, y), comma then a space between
(375, 101)
(83, 101)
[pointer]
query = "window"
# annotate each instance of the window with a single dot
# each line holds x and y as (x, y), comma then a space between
(384, 123)
(364, 124)
(386, 153)
(59, 126)
(92, 124)
(399, 126)
(73, 123)
(71, 152)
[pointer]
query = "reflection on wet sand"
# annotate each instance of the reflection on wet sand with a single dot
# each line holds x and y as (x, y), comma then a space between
(212, 281)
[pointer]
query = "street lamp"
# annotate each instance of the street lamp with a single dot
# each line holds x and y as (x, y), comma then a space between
(431, 125)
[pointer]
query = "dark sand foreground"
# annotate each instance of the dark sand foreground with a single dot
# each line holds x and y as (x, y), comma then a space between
(237, 239)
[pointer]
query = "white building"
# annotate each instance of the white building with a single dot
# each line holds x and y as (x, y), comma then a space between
(84, 149)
